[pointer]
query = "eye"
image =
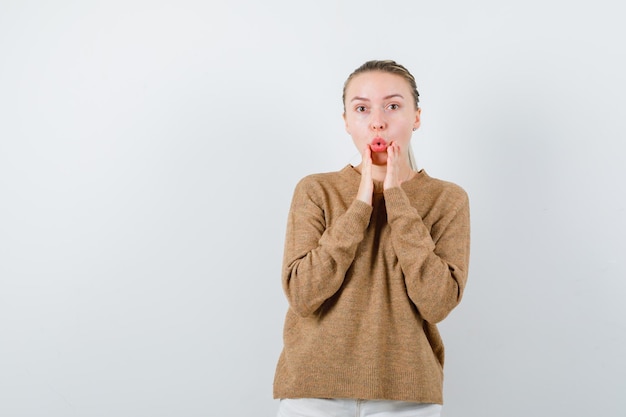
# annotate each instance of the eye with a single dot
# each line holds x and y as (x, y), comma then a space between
(360, 109)
(393, 106)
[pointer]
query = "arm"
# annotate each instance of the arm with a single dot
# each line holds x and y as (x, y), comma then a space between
(434, 262)
(318, 255)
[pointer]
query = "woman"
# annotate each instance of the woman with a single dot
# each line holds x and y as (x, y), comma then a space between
(375, 255)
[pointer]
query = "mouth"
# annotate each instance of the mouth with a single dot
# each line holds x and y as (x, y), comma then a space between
(378, 145)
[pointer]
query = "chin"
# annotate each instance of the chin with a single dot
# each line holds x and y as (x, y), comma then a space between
(381, 161)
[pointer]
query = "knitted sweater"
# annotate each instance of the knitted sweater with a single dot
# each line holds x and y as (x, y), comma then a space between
(366, 286)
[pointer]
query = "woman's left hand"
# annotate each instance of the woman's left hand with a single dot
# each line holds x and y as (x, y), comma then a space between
(392, 178)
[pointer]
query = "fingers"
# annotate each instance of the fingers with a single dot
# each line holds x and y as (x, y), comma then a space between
(393, 154)
(366, 187)
(393, 166)
(366, 163)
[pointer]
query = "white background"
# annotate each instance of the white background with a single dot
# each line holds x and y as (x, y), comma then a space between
(149, 149)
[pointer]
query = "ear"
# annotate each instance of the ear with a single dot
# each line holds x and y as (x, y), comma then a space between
(418, 120)
(345, 122)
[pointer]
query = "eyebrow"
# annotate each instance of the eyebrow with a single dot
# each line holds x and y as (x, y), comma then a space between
(384, 98)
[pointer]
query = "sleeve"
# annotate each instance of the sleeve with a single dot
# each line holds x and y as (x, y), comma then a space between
(434, 262)
(316, 255)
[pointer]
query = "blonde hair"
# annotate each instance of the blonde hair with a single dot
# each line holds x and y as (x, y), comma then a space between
(391, 67)
(412, 161)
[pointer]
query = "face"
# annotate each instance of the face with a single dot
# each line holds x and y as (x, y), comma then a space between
(380, 110)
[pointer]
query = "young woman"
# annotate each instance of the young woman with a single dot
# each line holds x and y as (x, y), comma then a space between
(375, 256)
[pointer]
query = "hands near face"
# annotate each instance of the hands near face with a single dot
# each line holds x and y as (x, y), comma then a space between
(366, 187)
(392, 177)
(392, 174)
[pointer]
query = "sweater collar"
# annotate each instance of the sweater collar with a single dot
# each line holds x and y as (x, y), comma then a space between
(350, 173)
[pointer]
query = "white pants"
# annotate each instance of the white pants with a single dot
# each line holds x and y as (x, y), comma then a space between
(318, 407)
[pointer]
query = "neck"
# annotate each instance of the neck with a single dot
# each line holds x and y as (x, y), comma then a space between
(379, 172)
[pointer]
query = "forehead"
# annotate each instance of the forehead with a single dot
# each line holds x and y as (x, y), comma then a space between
(376, 84)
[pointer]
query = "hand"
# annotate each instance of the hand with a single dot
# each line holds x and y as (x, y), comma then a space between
(366, 187)
(392, 177)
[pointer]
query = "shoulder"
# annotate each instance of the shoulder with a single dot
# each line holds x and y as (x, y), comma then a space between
(325, 181)
(439, 189)
(447, 187)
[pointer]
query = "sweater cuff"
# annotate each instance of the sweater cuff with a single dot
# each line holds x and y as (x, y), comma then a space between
(396, 200)
(359, 214)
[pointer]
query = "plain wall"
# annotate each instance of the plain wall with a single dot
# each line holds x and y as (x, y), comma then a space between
(149, 149)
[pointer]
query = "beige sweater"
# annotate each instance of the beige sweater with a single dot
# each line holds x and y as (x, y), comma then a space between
(366, 286)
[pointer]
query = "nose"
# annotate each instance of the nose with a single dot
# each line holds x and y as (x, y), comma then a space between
(377, 120)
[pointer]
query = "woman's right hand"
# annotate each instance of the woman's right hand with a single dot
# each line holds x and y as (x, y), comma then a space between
(366, 187)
